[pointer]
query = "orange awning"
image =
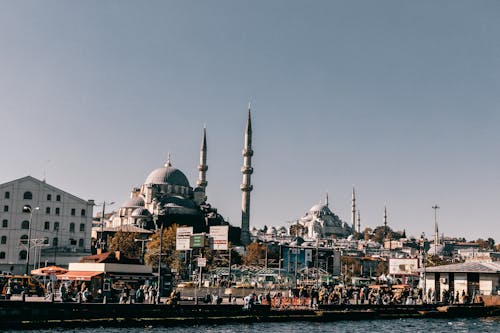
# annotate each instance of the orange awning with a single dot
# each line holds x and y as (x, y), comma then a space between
(49, 270)
(78, 275)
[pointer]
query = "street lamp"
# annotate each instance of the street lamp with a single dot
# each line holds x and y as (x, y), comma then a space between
(422, 253)
(27, 209)
(101, 241)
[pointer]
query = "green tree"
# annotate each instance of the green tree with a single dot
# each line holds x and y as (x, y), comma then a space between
(124, 242)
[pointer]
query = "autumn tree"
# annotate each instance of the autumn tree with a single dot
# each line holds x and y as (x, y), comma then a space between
(124, 242)
(170, 257)
(254, 253)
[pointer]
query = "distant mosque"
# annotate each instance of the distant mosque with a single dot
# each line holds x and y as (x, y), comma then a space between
(320, 223)
(166, 198)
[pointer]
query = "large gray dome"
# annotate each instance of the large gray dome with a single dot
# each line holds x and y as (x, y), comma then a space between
(167, 175)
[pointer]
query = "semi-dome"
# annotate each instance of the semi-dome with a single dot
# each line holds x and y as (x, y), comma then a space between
(140, 212)
(167, 175)
(134, 202)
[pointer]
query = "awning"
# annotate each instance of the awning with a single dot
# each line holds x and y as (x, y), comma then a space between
(78, 275)
(49, 270)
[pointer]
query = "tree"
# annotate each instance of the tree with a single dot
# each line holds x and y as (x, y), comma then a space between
(170, 257)
(124, 242)
(254, 253)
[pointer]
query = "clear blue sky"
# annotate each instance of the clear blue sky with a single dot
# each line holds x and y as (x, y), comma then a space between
(399, 98)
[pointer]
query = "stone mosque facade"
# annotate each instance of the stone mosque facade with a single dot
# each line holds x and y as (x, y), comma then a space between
(167, 198)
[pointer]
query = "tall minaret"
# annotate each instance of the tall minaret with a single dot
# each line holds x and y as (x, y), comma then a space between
(203, 167)
(353, 212)
(246, 186)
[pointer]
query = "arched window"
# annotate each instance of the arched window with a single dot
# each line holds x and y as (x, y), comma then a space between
(27, 195)
(47, 210)
(71, 227)
(3, 240)
(23, 239)
(2, 255)
(58, 197)
(46, 225)
(80, 242)
(56, 226)
(5, 223)
(46, 240)
(82, 227)
(25, 224)
(22, 255)
(55, 241)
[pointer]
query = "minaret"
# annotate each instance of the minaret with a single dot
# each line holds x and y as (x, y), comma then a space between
(246, 186)
(385, 221)
(353, 212)
(436, 229)
(359, 221)
(203, 167)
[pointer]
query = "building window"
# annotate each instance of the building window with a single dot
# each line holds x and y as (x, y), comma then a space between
(47, 210)
(83, 212)
(56, 226)
(58, 197)
(7, 195)
(71, 227)
(22, 255)
(72, 241)
(5, 223)
(80, 242)
(27, 195)
(46, 240)
(3, 240)
(82, 227)
(25, 224)
(5, 208)
(2, 255)
(58, 210)
(73, 212)
(49, 197)
(23, 239)
(46, 225)
(55, 241)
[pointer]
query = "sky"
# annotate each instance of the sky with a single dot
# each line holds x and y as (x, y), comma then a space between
(400, 99)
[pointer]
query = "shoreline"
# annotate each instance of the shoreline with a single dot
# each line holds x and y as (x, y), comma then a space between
(35, 315)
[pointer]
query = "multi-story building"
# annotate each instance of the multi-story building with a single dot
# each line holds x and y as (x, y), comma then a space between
(48, 221)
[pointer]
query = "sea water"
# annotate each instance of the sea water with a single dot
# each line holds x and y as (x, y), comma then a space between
(387, 326)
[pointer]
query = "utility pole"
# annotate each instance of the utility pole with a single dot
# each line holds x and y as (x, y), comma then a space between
(159, 264)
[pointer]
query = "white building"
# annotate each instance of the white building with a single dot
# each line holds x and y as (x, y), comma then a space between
(60, 224)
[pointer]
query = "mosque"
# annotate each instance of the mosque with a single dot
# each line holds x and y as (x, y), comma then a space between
(320, 222)
(167, 198)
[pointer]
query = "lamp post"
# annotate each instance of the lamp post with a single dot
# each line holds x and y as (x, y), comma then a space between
(30, 210)
(422, 249)
(101, 241)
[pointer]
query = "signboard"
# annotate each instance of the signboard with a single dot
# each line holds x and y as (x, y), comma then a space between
(403, 266)
(183, 237)
(202, 262)
(219, 237)
(198, 241)
(309, 255)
